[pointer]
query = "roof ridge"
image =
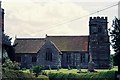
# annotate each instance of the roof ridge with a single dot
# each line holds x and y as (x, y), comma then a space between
(69, 36)
(30, 38)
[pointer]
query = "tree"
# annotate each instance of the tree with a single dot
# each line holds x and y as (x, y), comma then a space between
(8, 64)
(115, 40)
(7, 47)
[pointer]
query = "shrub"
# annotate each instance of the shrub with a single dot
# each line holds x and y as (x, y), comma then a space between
(8, 74)
(44, 73)
(109, 75)
(42, 77)
(37, 70)
(11, 65)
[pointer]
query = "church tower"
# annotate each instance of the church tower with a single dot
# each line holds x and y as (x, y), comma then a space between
(99, 45)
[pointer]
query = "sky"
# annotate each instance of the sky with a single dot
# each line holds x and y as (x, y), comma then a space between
(36, 18)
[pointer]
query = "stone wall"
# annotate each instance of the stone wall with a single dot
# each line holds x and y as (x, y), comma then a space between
(56, 58)
(75, 59)
(26, 59)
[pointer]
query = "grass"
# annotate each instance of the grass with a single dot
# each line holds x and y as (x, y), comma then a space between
(25, 71)
(72, 70)
(82, 70)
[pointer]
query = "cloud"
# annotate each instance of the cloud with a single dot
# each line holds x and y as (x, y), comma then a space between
(36, 19)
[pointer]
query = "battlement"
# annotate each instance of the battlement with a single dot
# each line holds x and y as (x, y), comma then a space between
(98, 18)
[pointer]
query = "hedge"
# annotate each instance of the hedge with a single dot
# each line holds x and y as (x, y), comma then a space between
(109, 75)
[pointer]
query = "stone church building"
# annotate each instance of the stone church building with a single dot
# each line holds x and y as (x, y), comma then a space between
(64, 51)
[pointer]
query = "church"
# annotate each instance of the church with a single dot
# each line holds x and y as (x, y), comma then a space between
(64, 51)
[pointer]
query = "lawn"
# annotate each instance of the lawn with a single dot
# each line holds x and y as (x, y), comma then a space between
(72, 70)
(82, 70)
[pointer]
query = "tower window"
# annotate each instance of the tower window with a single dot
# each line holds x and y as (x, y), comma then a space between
(34, 59)
(48, 54)
(94, 30)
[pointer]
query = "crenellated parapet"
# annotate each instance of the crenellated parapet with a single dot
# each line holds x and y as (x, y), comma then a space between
(98, 18)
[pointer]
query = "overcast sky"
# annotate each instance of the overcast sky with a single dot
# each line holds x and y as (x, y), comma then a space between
(35, 18)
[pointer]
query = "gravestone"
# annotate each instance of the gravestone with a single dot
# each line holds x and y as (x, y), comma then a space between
(91, 66)
(79, 67)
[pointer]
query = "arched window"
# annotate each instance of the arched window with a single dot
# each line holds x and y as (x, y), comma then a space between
(34, 59)
(48, 54)
(68, 57)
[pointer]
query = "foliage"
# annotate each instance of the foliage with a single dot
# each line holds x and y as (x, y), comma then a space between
(37, 70)
(109, 75)
(11, 65)
(111, 61)
(42, 77)
(6, 39)
(9, 74)
(7, 48)
(115, 38)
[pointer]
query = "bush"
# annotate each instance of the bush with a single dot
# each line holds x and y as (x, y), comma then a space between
(8, 74)
(11, 65)
(109, 75)
(42, 77)
(36, 70)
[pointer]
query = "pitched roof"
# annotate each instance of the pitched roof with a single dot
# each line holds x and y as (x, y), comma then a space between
(63, 43)
(28, 45)
(70, 43)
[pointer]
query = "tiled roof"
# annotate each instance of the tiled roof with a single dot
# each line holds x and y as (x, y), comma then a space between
(63, 43)
(70, 43)
(28, 45)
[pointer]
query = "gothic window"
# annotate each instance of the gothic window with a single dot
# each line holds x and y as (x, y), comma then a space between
(34, 59)
(94, 30)
(48, 54)
(18, 59)
(68, 57)
(83, 58)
